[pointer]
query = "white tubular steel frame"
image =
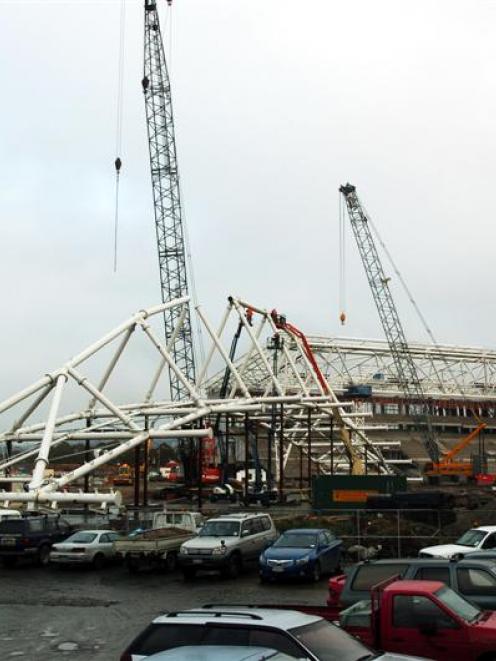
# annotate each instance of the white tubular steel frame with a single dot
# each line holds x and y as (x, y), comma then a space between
(446, 372)
(119, 427)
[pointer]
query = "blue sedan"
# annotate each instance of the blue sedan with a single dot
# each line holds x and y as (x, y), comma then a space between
(301, 553)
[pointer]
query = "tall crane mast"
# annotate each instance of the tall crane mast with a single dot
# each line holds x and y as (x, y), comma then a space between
(166, 197)
(379, 284)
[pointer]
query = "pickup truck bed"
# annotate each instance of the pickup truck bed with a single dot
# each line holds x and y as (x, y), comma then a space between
(157, 547)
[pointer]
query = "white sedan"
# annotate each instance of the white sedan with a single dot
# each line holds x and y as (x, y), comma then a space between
(93, 547)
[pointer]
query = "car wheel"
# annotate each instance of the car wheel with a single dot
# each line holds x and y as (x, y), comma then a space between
(233, 566)
(189, 573)
(98, 561)
(43, 555)
(132, 566)
(10, 561)
(171, 561)
(317, 572)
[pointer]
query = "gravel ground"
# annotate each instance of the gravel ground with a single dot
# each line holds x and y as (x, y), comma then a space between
(56, 613)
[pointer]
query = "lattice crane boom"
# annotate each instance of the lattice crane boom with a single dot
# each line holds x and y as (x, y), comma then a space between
(166, 197)
(379, 284)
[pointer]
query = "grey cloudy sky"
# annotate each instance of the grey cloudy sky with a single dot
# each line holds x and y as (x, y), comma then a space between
(277, 102)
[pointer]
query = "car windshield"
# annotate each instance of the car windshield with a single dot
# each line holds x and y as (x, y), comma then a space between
(458, 604)
(81, 538)
(296, 540)
(218, 528)
(471, 538)
(329, 643)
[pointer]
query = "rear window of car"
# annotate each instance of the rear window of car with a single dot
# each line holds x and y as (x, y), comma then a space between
(266, 524)
(12, 526)
(476, 581)
(433, 574)
(83, 538)
(162, 637)
(369, 575)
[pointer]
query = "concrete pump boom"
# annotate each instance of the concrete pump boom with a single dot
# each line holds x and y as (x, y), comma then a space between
(379, 284)
(280, 322)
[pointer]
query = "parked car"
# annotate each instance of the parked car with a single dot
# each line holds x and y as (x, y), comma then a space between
(31, 537)
(425, 618)
(158, 547)
(86, 547)
(227, 544)
(301, 553)
(473, 578)
(220, 653)
(474, 539)
(296, 634)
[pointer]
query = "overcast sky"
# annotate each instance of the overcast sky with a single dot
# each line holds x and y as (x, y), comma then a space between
(277, 103)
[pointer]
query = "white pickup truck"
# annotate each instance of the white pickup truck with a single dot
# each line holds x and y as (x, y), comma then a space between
(159, 546)
(475, 539)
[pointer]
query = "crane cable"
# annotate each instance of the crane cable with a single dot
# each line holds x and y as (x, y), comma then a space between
(342, 262)
(413, 302)
(118, 132)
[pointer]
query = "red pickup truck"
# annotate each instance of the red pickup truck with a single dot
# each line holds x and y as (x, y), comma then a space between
(418, 618)
(423, 618)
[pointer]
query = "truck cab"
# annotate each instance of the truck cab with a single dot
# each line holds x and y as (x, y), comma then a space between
(424, 618)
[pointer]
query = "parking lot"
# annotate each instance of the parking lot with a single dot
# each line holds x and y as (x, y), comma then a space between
(51, 613)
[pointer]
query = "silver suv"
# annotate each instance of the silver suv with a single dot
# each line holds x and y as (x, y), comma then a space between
(227, 543)
(298, 635)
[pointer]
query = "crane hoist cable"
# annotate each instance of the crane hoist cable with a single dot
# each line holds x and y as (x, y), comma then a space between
(414, 303)
(118, 129)
(342, 262)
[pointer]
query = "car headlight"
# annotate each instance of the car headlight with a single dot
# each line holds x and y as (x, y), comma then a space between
(183, 550)
(220, 550)
(303, 561)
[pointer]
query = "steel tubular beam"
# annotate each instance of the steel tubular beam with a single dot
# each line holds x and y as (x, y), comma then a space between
(44, 450)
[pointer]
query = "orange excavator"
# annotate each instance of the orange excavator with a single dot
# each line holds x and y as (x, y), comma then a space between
(449, 466)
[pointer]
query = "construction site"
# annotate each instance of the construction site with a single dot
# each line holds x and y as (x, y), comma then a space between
(273, 394)
(263, 407)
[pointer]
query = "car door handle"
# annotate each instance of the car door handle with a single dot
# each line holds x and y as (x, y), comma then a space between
(395, 639)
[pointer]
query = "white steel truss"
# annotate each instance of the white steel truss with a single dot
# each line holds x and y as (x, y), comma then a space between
(446, 372)
(119, 427)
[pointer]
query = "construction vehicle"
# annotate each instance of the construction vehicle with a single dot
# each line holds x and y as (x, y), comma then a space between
(173, 471)
(448, 466)
(408, 379)
(124, 476)
(406, 370)
(280, 322)
(219, 432)
(169, 222)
